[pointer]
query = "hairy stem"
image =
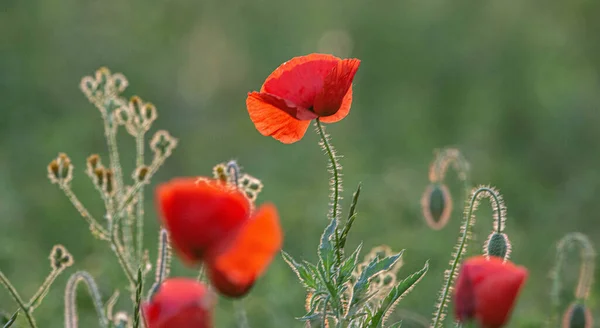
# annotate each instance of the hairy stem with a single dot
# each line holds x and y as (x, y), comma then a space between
(163, 261)
(43, 290)
(96, 228)
(119, 250)
(71, 318)
(15, 295)
(139, 233)
(336, 184)
(468, 222)
(240, 313)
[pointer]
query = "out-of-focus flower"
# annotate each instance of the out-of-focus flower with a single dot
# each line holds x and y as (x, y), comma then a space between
(486, 290)
(181, 303)
(211, 222)
(300, 90)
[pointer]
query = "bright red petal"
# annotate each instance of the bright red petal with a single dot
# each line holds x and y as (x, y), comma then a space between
(300, 79)
(295, 111)
(337, 83)
(272, 121)
(180, 302)
(234, 270)
(201, 215)
(342, 112)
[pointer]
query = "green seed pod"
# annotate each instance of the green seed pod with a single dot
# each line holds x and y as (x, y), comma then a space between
(436, 204)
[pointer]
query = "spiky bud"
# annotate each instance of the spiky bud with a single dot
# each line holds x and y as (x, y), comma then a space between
(577, 316)
(497, 245)
(436, 204)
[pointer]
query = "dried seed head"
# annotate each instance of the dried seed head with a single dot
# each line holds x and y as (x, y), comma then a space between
(436, 204)
(108, 182)
(497, 245)
(162, 144)
(93, 162)
(60, 258)
(220, 172)
(141, 174)
(148, 115)
(121, 320)
(60, 170)
(577, 316)
(99, 176)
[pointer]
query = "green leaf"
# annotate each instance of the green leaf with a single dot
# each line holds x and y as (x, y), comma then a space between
(327, 247)
(351, 217)
(306, 276)
(348, 266)
(377, 265)
(12, 320)
(395, 295)
(396, 325)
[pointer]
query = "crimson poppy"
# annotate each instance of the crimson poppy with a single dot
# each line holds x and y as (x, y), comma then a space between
(234, 269)
(300, 90)
(200, 215)
(486, 290)
(181, 303)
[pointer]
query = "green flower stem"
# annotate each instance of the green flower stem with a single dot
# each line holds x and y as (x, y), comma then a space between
(43, 290)
(13, 292)
(96, 228)
(240, 313)
(336, 186)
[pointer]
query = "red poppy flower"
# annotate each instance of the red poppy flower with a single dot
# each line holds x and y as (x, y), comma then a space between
(486, 290)
(200, 215)
(181, 303)
(234, 269)
(300, 90)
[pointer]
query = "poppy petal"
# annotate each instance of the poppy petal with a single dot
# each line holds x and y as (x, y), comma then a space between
(233, 270)
(272, 121)
(300, 79)
(295, 111)
(342, 112)
(182, 303)
(200, 215)
(335, 87)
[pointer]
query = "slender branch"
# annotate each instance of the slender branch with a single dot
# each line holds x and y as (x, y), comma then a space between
(15, 295)
(43, 290)
(140, 198)
(71, 318)
(117, 247)
(336, 183)
(96, 228)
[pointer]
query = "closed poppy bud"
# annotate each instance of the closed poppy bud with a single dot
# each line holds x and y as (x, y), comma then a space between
(300, 90)
(181, 303)
(233, 269)
(201, 215)
(577, 316)
(486, 290)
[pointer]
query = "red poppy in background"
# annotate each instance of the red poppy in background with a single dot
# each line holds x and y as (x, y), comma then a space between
(181, 303)
(300, 90)
(233, 270)
(486, 290)
(211, 222)
(200, 215)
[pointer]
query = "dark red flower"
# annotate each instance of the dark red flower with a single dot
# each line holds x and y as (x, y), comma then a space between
(200, 215)
(234, 269)
(181, 303)
(211, 222)
(300, 90)
(486, 290)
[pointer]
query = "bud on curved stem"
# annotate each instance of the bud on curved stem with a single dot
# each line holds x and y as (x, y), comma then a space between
(587, 256)
(499, 217)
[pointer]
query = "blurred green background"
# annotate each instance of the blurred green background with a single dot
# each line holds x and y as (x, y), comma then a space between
(513, 84)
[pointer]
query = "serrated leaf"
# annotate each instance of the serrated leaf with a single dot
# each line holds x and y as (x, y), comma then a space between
(351, 217)
(11, 320)
(377, 265)
(348, 266)
(307, 278)
(327, 247)
(394, 296)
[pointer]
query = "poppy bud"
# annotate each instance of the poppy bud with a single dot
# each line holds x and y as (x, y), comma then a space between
(497, 245)
(181, 303)
(486, 290)
(60, 170)
(436, 203)
(141, 173)
(60, 258)
(577, 316)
